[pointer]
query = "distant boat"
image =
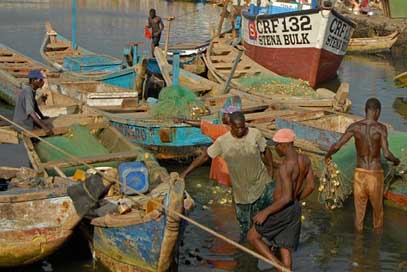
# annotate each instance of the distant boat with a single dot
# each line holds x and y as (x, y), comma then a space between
(372, 45)
(82, 64)
(293, 42)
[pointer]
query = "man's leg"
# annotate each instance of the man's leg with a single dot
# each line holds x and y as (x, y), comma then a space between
(360, 200)
(255, 239)
(243, 215)
(286, 257)
(376, 187)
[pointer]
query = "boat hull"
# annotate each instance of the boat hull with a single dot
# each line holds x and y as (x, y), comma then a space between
(176, 142)
(33, 229)
(307, 45)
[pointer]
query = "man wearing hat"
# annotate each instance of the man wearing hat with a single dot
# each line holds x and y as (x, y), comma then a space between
(279, 224)
(219, 170)
(26, 112)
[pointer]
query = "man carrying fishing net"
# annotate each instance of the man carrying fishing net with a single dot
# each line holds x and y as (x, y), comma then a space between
(279, 224)
(370, 139)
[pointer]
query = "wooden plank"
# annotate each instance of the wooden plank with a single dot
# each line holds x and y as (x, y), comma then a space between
(8, 136)
(121, 156)
(163, 64)
(64, 130)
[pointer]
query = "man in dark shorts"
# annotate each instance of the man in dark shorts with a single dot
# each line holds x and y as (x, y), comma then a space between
(26, 111)
(368, 185)
(279, 224)
(157, 26)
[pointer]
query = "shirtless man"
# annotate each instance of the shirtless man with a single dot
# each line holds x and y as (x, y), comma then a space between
(279, 224)
(370, 138)
(157, 26)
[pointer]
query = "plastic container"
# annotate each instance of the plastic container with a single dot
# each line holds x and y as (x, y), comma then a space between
(133, 176)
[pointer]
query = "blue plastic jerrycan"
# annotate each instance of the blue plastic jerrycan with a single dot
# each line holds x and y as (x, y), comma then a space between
(133, 175)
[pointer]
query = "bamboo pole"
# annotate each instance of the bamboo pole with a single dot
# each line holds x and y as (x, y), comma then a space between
(222, 17)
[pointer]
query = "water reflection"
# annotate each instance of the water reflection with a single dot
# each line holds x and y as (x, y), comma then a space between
(372, 76)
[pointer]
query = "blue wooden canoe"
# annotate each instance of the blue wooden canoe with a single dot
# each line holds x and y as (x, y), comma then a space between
(166, 139)
(82, 64)
(138, 242)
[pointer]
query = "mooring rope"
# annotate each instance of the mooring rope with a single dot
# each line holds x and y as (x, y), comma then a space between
(168, 210)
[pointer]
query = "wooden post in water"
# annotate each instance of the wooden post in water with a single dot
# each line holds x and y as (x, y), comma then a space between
(167, 34)
(74, 45)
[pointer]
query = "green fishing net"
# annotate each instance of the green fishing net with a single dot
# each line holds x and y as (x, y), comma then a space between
(79, 142)
(177, 101)
(336, 183)
(277, 85)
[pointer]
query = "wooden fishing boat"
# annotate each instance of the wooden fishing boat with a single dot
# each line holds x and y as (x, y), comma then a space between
(220, 58)
(372, 45)
(35, 221)
(14, 69)
(81, 64)
(401, 80)
(99, 95)
(150, 235)
(190, 56)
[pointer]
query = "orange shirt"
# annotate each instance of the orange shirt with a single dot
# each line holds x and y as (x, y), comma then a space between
(219, 169)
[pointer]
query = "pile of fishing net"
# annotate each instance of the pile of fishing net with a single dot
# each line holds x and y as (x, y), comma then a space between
(336, 179)
(180, 102)
(269, 84)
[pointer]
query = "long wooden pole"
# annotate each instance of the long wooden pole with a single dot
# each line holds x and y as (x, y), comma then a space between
(74, 45)
(232, 71)
(222, 17)
(170, 212)
(167, 33)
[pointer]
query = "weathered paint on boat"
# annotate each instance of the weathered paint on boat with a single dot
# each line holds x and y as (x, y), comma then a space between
(106, 71)
(137, 245)
(166, 141)
(307, 45)
(34, 223)
(323, 130)
(133, 242)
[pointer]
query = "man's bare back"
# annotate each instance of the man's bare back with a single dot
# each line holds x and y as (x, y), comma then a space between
(297, 169)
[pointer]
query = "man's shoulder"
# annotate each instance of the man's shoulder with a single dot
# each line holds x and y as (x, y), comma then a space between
(26, 90)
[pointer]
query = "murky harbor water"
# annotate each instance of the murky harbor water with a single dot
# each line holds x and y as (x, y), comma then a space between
(328, 241)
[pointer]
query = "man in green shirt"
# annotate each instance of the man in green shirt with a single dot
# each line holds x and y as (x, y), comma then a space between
(250, 165)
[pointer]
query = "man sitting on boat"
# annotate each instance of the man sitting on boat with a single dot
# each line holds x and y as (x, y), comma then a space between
(370, 139)
(219, 170)
(26, 112)
(279, 225)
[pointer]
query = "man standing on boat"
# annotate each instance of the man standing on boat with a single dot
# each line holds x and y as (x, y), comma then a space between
(279, 224)
(219, 170)
(250, 166)
(157, 26)
(26, 112)
(368, 185)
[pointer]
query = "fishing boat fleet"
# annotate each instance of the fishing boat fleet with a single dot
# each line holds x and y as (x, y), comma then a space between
(106, 138)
